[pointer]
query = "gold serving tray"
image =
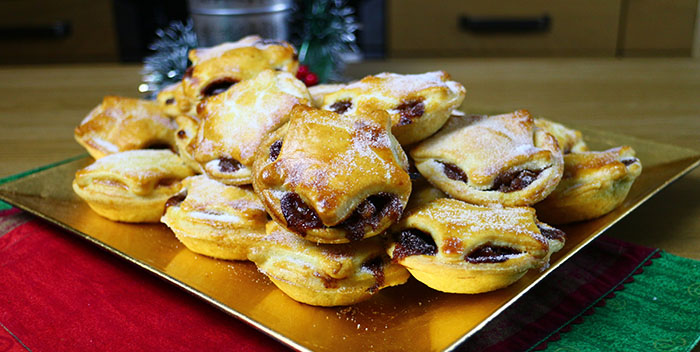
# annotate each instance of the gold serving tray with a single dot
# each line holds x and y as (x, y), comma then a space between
(407, 317)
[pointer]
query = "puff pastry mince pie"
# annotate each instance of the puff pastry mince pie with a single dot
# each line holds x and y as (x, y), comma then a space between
(456, 247)
(120, 124)
(187, 127)
(501, 159)
(234, 123)
(214, 219)
(216, 69)
(322, 274)
(594, 184)
(131, 186)
(319, 91)
(569, 140)
(418, 104)
(333, 178)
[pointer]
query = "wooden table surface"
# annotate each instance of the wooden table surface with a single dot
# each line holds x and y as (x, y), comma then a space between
(655, 99)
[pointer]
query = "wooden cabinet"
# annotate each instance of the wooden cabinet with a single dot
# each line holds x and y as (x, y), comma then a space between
(57, 31)
(540, 27)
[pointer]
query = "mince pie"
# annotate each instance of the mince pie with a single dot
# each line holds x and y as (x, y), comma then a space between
(456, 247)
(214, 219)
(594, 184)
(234, 123)
(131, 186)
(418, 104)
(333, 178)
(120, 124)
(323, 274)
(503, 159)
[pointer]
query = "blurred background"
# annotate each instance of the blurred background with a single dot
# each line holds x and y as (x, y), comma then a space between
(72, 31)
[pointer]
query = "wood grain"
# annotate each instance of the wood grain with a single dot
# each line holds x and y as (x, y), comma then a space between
(656, 99)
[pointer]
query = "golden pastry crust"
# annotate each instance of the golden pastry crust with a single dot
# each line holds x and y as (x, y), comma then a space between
(501, 159)
(594, 184)
(120, 124)
(216, 220)
(235, 122)
(173, 102)
(456, 247)
(333, 178)
(418, 104)
(187, 127)
(131, 186)
(325, 275)
(570, 140)
(215, 69)
(319, 91)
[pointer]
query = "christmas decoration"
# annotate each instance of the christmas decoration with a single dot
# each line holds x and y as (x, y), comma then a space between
(169, 60)
(324, 32)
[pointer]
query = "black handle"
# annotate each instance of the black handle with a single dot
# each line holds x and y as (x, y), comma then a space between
(56, 30)
(485, 25)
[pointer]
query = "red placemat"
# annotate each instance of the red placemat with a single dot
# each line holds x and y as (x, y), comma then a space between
(63, 294)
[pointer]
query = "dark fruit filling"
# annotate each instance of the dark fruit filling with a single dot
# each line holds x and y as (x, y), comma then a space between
(341, 106)
(515, 180)
(370, 213)
(175, 200)
(275, 149)
(181, 134)
(229, 165)
(409, 110)
(158, 145)
(188, 72)
(169, 101)
(489, 253)
(628, 161)
(218, 86)
(299, 216)
(551, 232)
(376, 266)
(453, 172)
(413, 242)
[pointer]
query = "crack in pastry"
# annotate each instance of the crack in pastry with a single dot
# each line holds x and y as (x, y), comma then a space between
(569, 140)
(214, 219)
(334, 179)
(214, 70)
(503, 159)
(250, 110)
(453, 246)
(594, 184)
(323, 274)
(417, 104)
(131, 186)
(119, 124)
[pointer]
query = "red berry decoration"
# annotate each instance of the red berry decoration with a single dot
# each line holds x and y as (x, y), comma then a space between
(311, 79)
(303, 71)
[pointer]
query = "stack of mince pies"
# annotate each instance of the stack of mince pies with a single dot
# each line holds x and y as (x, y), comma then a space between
(338, 191)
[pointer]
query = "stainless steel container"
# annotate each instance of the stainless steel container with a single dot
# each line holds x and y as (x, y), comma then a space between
(218, 21)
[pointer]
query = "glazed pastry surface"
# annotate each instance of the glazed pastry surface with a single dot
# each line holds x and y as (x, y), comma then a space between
(325, 275)
(594, 184)
(214, 219)
(120, 124)
(418, 104)
(131, 186)
(454, 246)
(333, 178)
(234, 123)
(503, 159)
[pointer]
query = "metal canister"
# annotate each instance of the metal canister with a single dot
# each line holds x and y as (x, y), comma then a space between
(218, 21)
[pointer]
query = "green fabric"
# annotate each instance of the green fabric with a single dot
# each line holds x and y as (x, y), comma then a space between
(659, 311)
(5, 206)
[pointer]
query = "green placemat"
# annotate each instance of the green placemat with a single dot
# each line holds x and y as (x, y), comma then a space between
(3, 205)
(659, 311)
